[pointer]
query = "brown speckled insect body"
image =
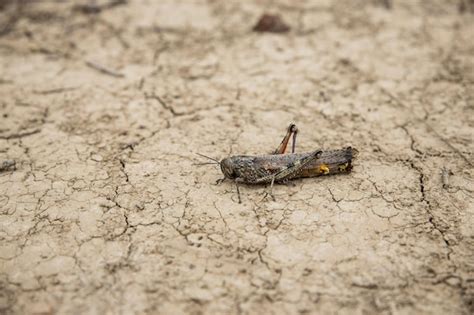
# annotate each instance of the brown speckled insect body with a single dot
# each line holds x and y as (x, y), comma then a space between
(281, 167)
(262, 168)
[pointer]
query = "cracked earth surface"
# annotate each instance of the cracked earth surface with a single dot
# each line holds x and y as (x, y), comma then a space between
(106, 213)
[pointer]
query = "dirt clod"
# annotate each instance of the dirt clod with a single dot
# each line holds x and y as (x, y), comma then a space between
(271, 23)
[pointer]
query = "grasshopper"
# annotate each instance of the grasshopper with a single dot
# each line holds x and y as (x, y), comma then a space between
(279, 167)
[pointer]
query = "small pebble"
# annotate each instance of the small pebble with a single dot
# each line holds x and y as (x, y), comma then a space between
(96, 157)
(271, 24)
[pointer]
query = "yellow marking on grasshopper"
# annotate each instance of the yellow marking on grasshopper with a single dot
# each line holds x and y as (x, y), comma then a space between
(343, 167)
(324, 169)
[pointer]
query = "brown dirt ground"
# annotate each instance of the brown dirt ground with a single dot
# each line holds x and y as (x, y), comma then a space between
(106, 213)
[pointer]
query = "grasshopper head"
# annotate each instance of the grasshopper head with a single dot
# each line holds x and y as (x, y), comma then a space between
(227, 168)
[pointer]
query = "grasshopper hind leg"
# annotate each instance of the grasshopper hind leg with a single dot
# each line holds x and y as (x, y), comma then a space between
(289, 172)
(292, 130)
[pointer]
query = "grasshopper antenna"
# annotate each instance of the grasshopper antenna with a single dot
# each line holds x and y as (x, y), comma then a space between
(208, 157)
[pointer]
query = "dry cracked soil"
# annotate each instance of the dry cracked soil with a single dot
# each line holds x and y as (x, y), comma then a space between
(104, 105)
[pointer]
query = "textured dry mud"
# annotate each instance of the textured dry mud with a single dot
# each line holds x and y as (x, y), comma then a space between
(103, 109)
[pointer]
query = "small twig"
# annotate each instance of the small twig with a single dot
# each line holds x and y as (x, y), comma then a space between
(54, 91)
(104, 70)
